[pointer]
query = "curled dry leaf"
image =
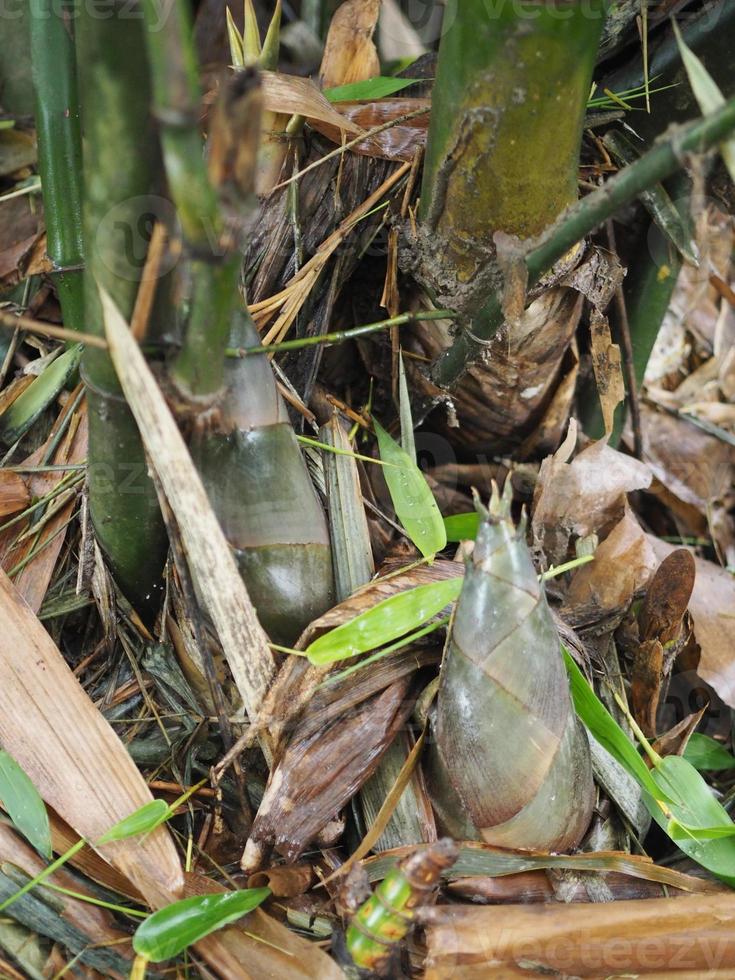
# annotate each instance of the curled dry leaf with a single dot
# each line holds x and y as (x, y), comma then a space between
(300, 96)
(582, 497)
(623, 563)
(662, 634)
(349, 52)
(319, 773)
(712, 608)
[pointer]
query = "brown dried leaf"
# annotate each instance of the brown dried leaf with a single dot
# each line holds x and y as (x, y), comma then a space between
(623, 563)
(606, 363)
(34, 578)
(667, 597)
(321, 771)
(583, 497)
(349, 52)
(80, 767)
(712, 608)
(14, 495)
(292, 95)
(285, 881)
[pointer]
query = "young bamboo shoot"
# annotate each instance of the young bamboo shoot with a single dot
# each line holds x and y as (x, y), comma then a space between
(512, 762)
(256, 478)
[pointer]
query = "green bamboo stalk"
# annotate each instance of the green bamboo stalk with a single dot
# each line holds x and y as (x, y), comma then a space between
(198, 371)
(508, 108)
(119, 164)
(663, 160)
(59, 150)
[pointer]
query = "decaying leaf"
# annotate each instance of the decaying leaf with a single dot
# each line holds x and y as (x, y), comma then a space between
(623, 563)
(711, 607)
(606, 362)
(584, 496)
(349, 52)
(298, 802)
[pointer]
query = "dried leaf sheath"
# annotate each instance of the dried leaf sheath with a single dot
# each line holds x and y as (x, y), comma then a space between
(260, 489)
(511, 758)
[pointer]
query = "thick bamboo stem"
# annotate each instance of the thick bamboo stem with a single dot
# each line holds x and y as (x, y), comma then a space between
(663, 160)
(59, 150)
(508, 107)
(199, 370)
(119, 163)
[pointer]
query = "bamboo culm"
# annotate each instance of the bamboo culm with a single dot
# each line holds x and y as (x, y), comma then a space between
(59, 150)
(511, 764)
(119, 165)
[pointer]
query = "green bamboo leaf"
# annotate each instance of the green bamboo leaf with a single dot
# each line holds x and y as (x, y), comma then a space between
(698, 815)
(707, 94)
(412, 498)
(408, 442)
(369, 90)
(462, 527)
(23, 804)
(704, 753)
(384, 622)
(606, 730)
(142, 821)
(169, 931)
(27, 407)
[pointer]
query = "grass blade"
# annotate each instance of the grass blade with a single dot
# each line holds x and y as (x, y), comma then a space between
(412, 498)
(704, 753)
(707, 94)
(24, 805)
(369, 90)
(389, 619)
(172, 929)
(606, 730)
(142, 821)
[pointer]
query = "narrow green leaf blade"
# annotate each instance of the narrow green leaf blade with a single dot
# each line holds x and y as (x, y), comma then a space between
(24, 411)
(699, 814)
(408, 442)
(24, 805)
(384, 622)
(171, 930)
(706, 92)
(412, 498)
(707, 755)
(606, 730)
(462, 527)
(142, 821)
(369, 90)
